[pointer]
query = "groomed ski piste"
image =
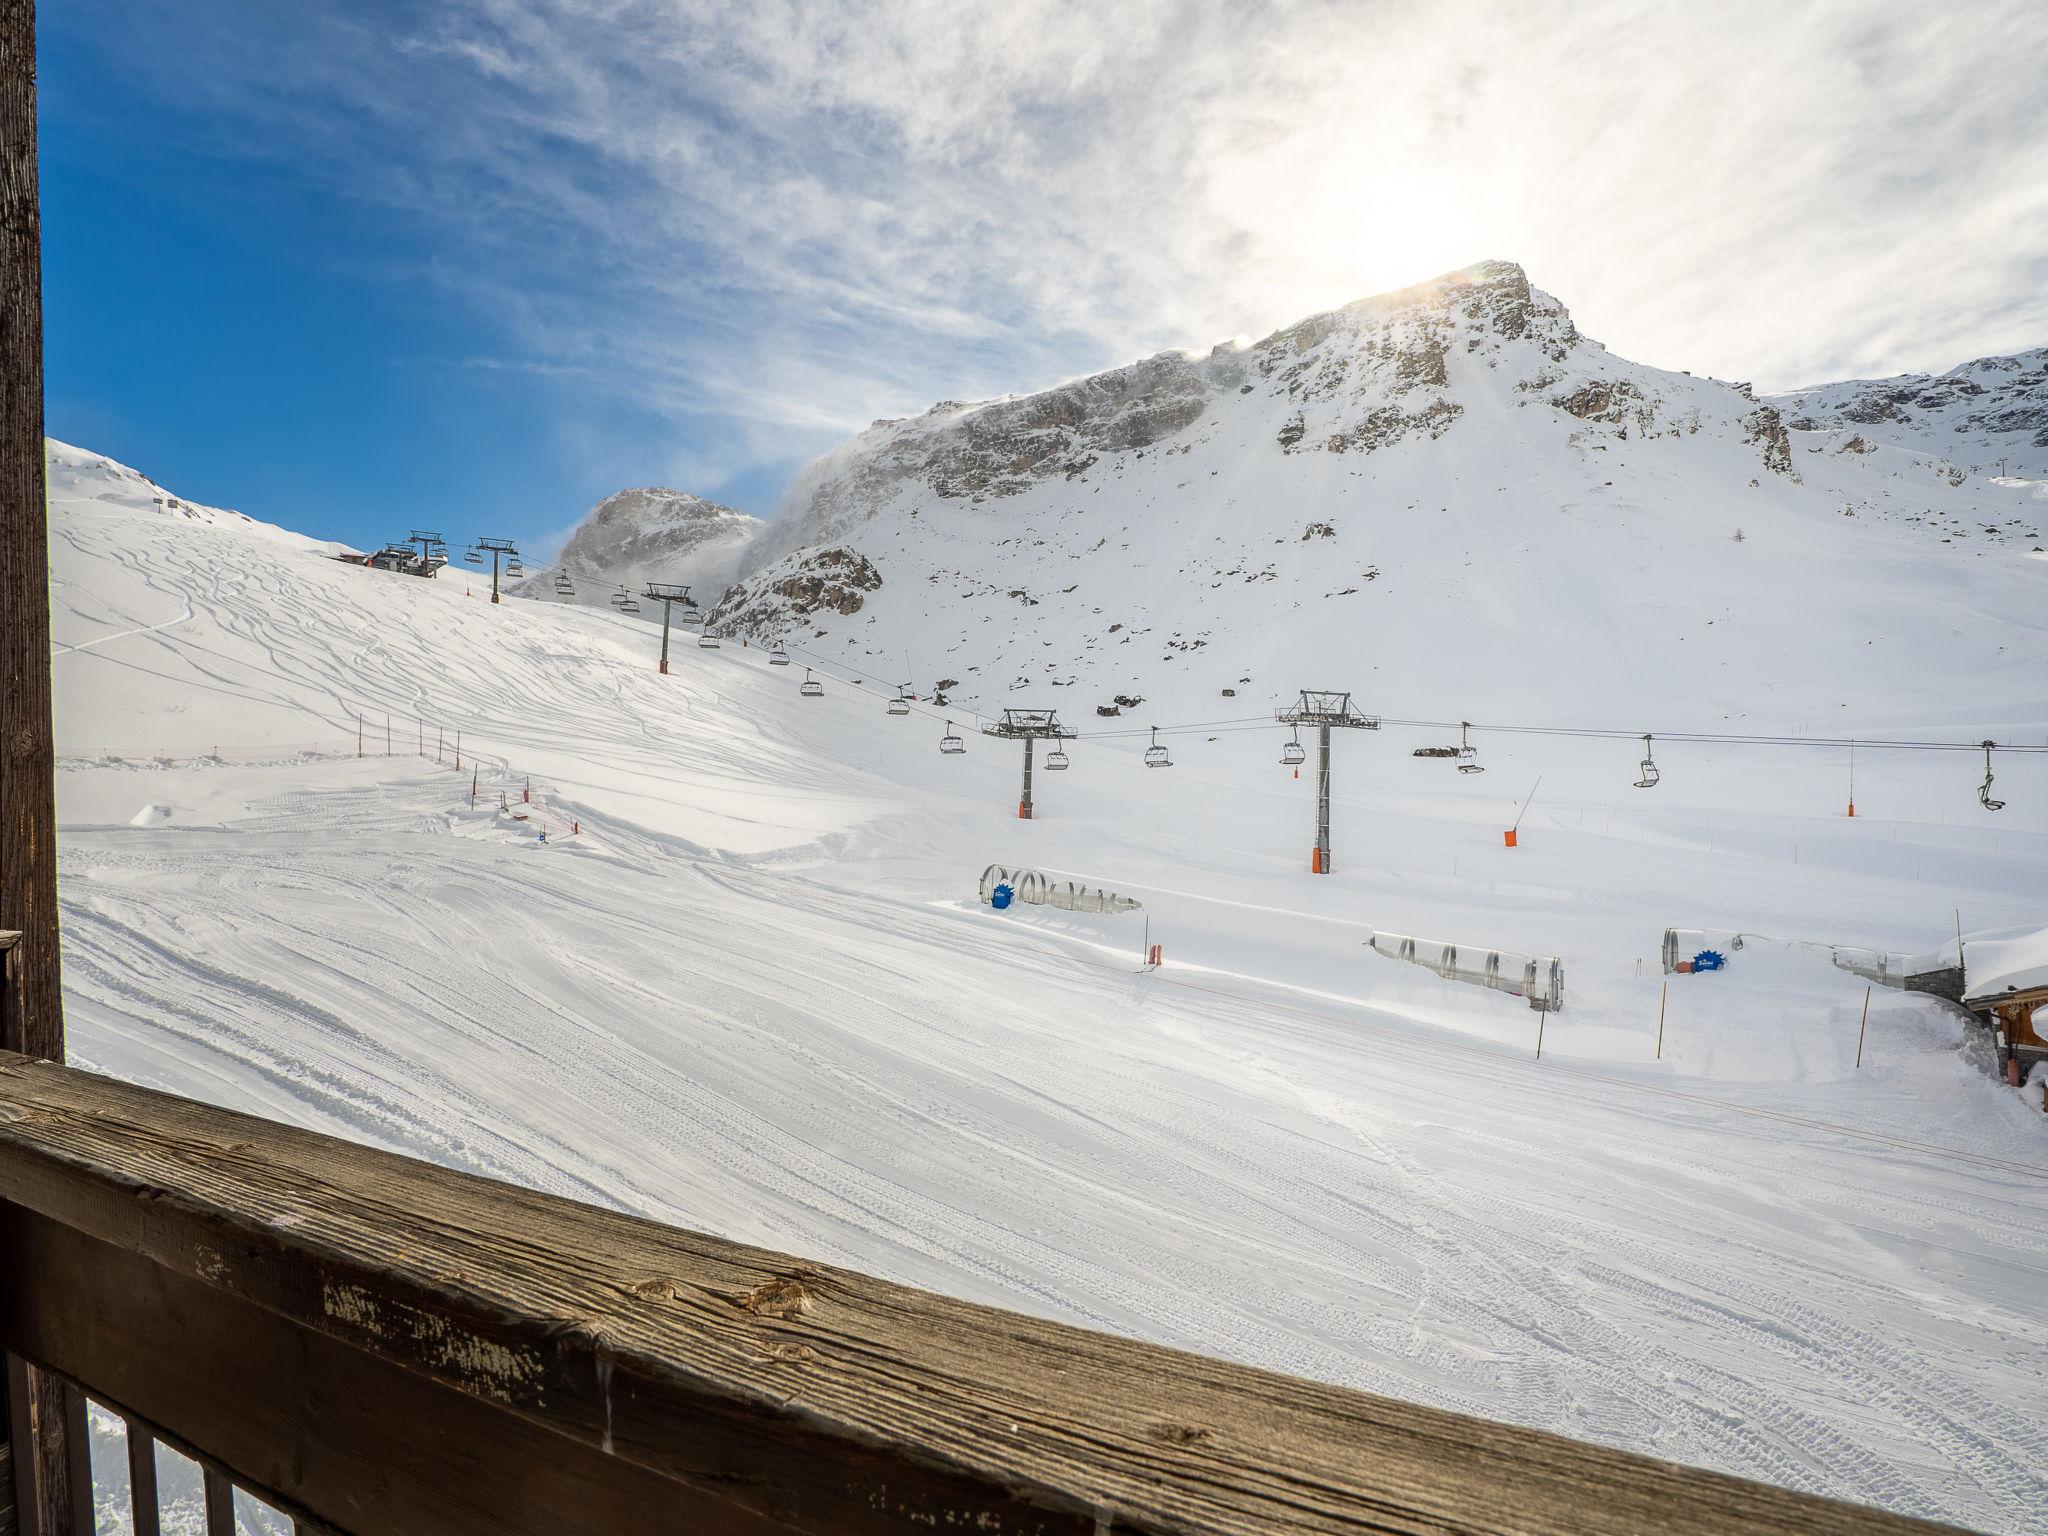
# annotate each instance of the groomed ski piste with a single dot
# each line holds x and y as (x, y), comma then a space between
(753, 992)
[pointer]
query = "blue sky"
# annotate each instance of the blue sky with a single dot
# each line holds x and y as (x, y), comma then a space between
(475, 264)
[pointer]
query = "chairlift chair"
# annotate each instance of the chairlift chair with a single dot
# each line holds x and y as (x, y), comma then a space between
(950, 744)
(1984, 790)
(629, 606)
(812, 688)
(899, 705)
(707, 641)
(514, 568)
(1156, 755)
(1293, 754)
(472, 557)
(1466, 751)
(1056, 759)
(778, 657)
(1650, 773)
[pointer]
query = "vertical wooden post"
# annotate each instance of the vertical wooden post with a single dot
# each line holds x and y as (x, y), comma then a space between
(1862, 1027)
(34, 1015)
(1541, 1015)
(28, 806)
(1663, 997)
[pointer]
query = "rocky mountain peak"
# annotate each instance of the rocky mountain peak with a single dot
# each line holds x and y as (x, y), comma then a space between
(655, 533)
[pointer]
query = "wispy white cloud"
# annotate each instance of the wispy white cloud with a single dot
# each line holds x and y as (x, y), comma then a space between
(772, 220)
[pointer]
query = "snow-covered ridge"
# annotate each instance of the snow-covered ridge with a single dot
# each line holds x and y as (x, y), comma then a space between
(82, 481)
(1989, 412)
(1369, 376)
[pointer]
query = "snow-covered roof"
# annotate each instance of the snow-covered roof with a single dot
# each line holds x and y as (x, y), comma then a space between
(1994, 967)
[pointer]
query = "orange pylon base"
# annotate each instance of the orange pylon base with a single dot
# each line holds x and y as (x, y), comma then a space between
(664, 669)
(1852, 807)
(1023, 810)
(1315, 861)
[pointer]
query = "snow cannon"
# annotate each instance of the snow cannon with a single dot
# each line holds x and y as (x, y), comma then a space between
(1001, 897)
(1709, 960)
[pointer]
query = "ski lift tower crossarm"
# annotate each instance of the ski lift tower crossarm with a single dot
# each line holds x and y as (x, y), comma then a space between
(431, 545)
(1326, 710)
(499, 550)
(1028, 726)
(668, 594)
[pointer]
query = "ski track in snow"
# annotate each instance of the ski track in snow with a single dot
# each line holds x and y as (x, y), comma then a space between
(756, 999)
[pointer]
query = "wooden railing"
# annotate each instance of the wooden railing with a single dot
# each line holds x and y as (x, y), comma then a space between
(374, 1344)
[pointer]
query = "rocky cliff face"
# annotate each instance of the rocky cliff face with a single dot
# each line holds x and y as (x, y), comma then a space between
(1975, 416)
(656, 534)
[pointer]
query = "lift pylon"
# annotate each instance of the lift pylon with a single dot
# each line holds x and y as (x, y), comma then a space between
(1028, 726)
(1326, 711)
(668, 594)
(497, 549)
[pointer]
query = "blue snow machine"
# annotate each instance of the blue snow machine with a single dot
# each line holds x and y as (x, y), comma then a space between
(1000, 897)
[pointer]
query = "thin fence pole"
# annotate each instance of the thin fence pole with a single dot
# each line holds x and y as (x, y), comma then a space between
(1542, 1017)
(1663, 997)
(1860, 1028)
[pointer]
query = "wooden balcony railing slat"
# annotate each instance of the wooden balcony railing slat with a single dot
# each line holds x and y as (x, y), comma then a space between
(16, 1499)
(145, 1518)
(78, 1461)
(220, 1504)
(819, 1399)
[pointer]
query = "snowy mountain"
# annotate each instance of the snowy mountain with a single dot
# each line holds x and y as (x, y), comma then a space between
(1447, 498)
(1981, 415)
(653, 534)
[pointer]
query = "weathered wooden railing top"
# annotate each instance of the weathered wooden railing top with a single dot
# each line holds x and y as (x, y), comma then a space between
(382, 1345)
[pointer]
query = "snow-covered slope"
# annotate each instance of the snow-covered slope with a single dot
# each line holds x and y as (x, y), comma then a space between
(1449, 500)
(1987, 417)
(653, 534)
(744, 985)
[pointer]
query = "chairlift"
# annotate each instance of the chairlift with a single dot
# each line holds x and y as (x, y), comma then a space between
(900, 705)
(950, 744)
(1466, 751)
(1650, 773)
(707, 641)
(473, 557)
(618, 597)
(1293, 754)
(1984, 790)
(1056, 759)
(514, 568)
(629, 606)
(812, 688)
(778, 657)
(1155, 755)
